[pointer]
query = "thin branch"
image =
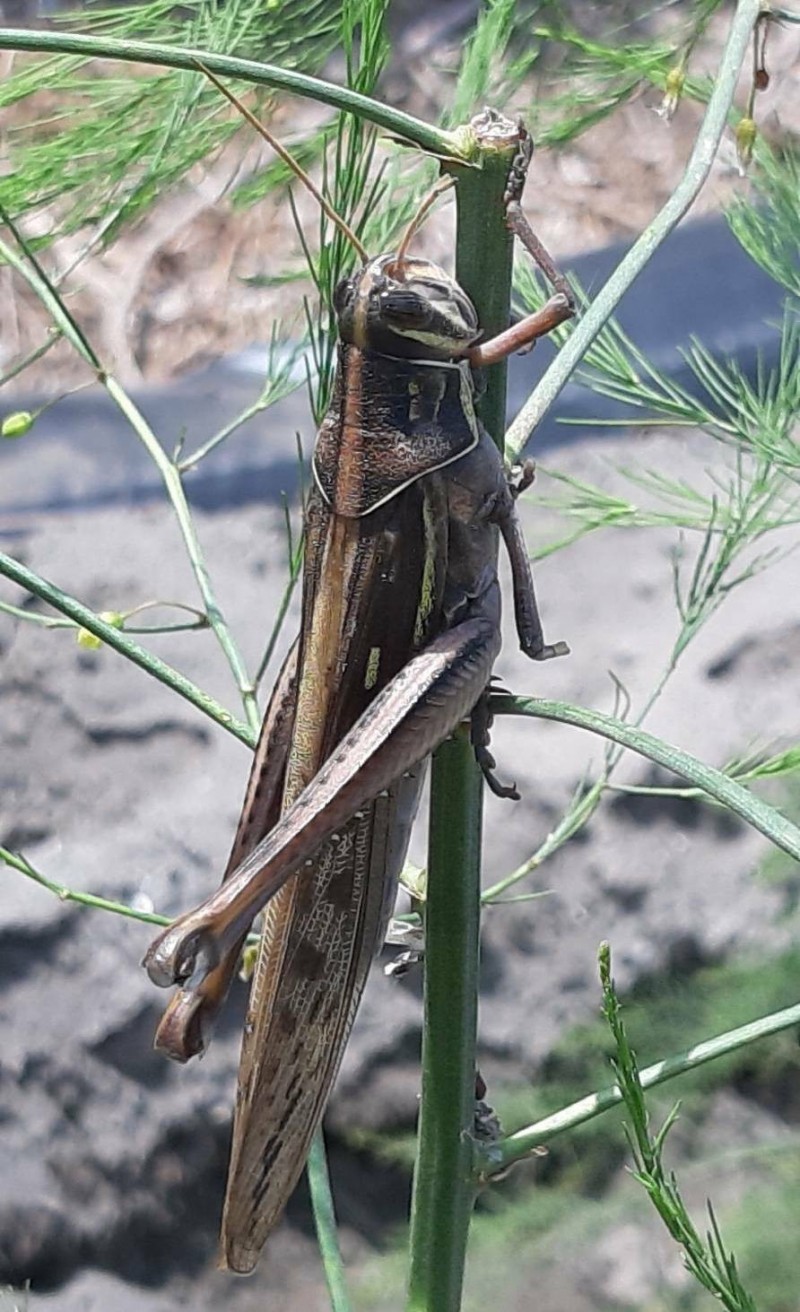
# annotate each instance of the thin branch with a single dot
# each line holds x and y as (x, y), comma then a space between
(53, 622)
(177, 495)
(493, 1158)
(684, 195)
(319, 1184)
(30, 358)
(16, 861)
(275, 391)
(112, 637)
(34, 274)
(766, 819)
(65, 894)
(451, 145)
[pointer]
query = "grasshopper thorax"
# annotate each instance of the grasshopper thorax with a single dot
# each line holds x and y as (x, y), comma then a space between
(409, 308)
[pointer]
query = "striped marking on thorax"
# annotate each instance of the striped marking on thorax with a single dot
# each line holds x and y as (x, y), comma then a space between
(350, 467)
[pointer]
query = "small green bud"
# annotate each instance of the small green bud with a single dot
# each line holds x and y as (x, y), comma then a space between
(746, 134)
(17, 424)
(604, 962)
(90, 641)
(248, 962)
(414, 879)
(673, 90)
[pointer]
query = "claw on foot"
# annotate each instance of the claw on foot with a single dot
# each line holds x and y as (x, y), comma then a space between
(522, 477)
(487, 764)
(549, 651)
(182, 1032)
(480, 735)
(179, 955)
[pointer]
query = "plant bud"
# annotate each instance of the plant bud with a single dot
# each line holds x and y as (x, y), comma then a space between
(746, 134)
(17, 424)
(248, 962)
(90, 641)
(673, 90)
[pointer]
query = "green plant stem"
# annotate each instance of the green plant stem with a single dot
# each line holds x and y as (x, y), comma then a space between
(444, 1190)
(319, 1184)
(36, 277)
(51, 622)
(394, 121)
(112, 637)
(684, 195)
(708, 1262)
(263, 402)
(484, 263)
(65, 894)
(492, 1158)
(766, 819)
(30, 358)
(177, 495)
(295, 566)
(580, 810)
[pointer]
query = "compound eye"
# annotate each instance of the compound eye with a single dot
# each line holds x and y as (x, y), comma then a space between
(405, 308)
(343, 295)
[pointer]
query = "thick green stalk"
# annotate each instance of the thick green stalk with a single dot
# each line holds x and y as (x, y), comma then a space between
(444, 1191)
(484, 259)
(444, 1184)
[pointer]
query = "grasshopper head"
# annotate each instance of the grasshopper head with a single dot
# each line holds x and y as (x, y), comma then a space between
(409, 308)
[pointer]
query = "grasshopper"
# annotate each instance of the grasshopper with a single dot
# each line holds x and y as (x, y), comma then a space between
(400, 630)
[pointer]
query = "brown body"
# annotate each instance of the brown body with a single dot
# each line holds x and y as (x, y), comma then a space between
(400, 629)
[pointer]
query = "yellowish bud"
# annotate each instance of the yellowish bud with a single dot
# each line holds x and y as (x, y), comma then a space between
(746, 134)
(248, 965)
(17, 424)
(90, 641)
(673, 90)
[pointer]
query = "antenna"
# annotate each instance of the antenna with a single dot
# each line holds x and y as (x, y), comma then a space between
(444, 184)
(290, 161)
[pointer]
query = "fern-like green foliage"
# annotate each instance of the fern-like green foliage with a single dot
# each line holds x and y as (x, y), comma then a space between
(119, 139)
(99, 144)
(767, 225)
(707, 1258)
(754, 415)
